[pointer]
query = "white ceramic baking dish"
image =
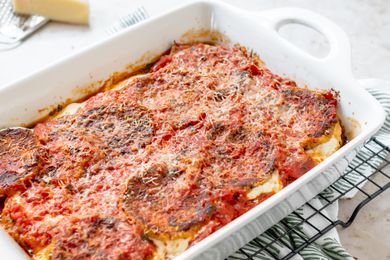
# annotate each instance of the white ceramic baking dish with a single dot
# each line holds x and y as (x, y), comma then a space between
(23, 100)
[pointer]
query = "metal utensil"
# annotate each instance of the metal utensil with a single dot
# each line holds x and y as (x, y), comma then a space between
(132, 18)
(15, 28)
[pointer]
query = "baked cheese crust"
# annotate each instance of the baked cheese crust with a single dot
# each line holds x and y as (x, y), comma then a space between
(163, 159)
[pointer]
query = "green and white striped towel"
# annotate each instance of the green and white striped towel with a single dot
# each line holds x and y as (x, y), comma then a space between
(328, 246)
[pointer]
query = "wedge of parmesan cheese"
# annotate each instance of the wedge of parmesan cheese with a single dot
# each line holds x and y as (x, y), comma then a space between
(70, 11)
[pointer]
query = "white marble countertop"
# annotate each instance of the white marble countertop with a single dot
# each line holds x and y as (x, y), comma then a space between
(367, 23)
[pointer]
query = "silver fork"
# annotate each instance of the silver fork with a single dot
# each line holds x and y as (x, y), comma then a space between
(132, 18)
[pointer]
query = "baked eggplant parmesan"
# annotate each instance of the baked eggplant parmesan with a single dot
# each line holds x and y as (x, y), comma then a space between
(157, 163)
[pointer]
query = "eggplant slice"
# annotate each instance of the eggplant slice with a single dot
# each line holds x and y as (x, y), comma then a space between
(19, 159)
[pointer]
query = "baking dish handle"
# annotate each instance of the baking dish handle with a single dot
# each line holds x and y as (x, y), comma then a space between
(339, 56)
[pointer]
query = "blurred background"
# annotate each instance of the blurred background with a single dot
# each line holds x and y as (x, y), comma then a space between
(367, 23)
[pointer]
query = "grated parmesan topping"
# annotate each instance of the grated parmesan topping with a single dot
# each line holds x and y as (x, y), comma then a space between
(173, 155)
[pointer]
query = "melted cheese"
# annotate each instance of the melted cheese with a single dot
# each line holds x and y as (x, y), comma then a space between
(169, 248)
(272, 185)
(70, 109)
(326, 148)
(125, 82)
(44, 253)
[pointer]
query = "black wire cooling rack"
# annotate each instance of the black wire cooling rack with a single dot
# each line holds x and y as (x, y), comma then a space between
(379, 181)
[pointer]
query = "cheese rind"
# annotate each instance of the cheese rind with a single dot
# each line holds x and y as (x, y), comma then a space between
(70, 11)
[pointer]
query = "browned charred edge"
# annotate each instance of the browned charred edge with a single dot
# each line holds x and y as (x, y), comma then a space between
(2, 201)
(19, 159)
(344, 137)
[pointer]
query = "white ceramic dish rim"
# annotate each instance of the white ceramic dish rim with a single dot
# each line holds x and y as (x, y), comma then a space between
(338, 58)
